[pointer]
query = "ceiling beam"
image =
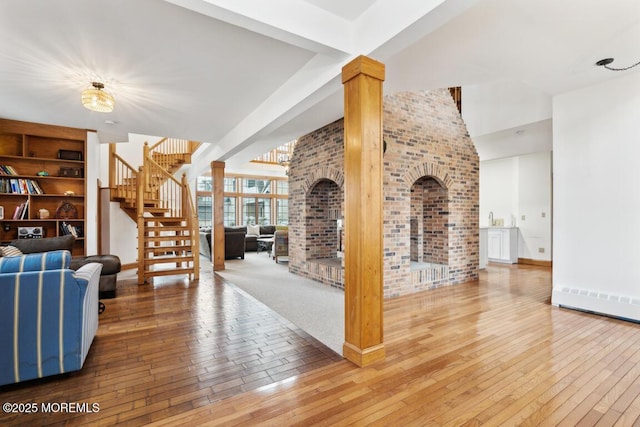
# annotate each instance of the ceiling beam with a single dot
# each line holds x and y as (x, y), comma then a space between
(294, 22)
(381, 25)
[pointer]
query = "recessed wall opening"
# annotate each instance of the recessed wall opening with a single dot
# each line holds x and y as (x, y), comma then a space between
(324, 234)
(429, 233)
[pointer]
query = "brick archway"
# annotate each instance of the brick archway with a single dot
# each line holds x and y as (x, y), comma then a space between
(323, 172)
(429, 169)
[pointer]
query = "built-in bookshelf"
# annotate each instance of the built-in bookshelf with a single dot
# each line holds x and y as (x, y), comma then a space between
(42, 180)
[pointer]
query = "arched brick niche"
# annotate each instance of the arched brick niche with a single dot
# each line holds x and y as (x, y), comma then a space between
(316, 198)
(430, 177)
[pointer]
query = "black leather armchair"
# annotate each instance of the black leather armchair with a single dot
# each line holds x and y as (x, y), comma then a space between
(234, 243)
(110, 263)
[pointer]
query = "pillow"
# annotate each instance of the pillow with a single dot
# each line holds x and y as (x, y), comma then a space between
(10, 251)
(253, 229)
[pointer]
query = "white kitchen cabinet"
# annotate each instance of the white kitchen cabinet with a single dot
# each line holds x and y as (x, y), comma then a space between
(502, 244)
(483, 248)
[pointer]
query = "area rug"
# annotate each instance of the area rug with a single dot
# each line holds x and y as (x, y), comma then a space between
(315, 308)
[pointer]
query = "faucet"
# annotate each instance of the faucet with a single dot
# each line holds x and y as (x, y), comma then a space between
(490, 218)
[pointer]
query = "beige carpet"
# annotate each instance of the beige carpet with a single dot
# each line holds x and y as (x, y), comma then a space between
(315, 308)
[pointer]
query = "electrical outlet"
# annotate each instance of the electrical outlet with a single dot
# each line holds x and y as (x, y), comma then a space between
(523, 217)
(541, 250)
(543, 215)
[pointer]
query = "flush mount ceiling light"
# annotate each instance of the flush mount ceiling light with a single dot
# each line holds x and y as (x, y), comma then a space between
(97, 99)
(606, 61)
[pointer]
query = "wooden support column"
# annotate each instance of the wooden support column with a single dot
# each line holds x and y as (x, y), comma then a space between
(362, 79)
(217, 231)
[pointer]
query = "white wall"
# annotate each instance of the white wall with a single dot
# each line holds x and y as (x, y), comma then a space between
(596, 234)
(91, 209)
(534, 206)
(499, 190)
(519, 187)
(493, 107)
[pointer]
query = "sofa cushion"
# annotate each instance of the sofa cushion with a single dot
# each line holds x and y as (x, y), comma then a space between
(42, 261)
(29, 246)
(253, 230)
(267, 230)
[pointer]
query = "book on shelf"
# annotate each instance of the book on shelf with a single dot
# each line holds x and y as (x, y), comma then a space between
(20, 186)
(75, 230)
(7, 170)
(22, 211)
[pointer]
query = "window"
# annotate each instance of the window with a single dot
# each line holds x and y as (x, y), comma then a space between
(204, 207)
(247, 200)
(229, 209)
(282, 211)
(282, 187)
(203, 183)
(230, 185)
(256, 186)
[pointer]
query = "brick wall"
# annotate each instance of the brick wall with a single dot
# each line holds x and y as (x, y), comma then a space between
(425, 137)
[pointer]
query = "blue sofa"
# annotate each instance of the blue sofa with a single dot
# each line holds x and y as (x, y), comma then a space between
(48, 313)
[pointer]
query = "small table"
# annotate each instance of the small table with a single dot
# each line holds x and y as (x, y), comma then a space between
(264, 244)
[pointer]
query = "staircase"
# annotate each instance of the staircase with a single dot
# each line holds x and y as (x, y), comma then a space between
(161, 206)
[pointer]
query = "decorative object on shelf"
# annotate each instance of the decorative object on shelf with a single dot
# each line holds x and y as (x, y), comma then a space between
(606, 61)
(1, 212)
(43, 173)
(71, 172)
(6, 227)
(30, 232)
(69, 193)
(70, 155)
(66, 210)
(43, 214)
(97, 99)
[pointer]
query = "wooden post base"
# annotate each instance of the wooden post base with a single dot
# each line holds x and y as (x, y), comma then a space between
(363, 357)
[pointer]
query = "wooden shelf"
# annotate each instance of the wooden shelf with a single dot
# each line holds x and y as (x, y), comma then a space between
(30, 148)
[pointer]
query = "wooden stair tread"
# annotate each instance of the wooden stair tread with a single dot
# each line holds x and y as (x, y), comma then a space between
(169, 259)
(157, 228)
(165, 249)
(171, 272)
(165, 238)
(164, 218)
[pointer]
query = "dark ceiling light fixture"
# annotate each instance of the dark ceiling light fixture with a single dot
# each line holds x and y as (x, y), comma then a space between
(606, 61)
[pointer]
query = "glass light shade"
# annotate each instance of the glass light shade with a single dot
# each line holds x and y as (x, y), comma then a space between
(96, 99)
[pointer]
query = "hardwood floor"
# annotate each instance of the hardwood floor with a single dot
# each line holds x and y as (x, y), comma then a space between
(492, 352)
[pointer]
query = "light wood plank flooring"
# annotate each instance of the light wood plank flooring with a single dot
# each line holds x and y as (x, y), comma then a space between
(492, 352)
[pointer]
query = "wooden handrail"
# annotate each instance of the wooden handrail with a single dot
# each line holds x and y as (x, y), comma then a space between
(194, 229)
(122, 178)
(167, 190)
(123, 161)
(174, 145)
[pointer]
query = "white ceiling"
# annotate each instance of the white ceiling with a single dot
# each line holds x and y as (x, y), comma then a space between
(246, 76)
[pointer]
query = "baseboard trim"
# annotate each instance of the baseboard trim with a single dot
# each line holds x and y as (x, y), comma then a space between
(539, 262)
(129, 266)
(625, 307)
